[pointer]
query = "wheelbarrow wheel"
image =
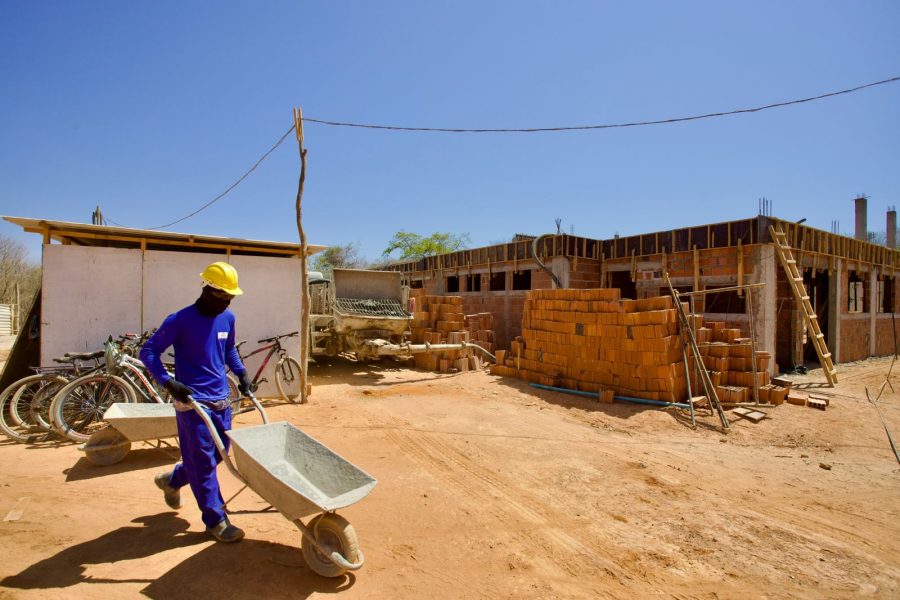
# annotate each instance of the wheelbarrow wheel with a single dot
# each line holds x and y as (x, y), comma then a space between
(334, 533)
(106, 447)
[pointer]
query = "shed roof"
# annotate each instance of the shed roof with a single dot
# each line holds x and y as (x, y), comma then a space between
(83, 234)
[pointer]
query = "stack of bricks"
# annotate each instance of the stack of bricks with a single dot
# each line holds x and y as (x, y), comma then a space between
(593, 341)
(481, 330)
(729, 359)
(440, 320)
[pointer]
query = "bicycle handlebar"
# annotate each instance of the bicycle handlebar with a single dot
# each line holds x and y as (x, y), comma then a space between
(277, 337)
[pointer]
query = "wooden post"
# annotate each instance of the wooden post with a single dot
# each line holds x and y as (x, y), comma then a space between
(740, 268)
(304, 285)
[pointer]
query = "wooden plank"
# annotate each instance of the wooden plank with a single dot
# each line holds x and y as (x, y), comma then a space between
(751, 415)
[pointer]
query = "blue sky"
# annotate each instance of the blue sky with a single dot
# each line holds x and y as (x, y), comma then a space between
(151, 109)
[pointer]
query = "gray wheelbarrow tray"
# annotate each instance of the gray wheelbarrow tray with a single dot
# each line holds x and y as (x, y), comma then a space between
(129, 423)
(294, 473)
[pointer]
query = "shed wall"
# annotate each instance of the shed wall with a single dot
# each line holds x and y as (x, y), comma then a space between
(90, 293)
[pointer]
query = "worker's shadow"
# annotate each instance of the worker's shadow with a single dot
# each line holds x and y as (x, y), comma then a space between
(154, 534)
(139, 459)
(249, 569)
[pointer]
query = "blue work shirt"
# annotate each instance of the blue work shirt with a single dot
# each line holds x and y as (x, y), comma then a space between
(203, 346)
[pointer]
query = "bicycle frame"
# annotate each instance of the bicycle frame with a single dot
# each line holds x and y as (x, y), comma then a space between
(135, 367)
(273, 348)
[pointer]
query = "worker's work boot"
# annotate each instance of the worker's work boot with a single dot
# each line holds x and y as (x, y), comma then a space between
(172, 495)
(226, 532)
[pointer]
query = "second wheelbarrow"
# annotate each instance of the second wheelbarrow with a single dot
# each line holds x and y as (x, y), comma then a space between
(129, 423)
(299, 477)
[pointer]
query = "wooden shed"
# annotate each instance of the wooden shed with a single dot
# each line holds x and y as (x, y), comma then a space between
(99, 281)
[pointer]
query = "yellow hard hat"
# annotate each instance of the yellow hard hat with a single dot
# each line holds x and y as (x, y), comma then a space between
(222, 276)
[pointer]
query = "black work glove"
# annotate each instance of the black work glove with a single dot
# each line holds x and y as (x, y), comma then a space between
(245, 387)
(178, 390)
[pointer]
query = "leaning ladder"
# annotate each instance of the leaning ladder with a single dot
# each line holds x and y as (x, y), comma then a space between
(711, 396)
(786, 257)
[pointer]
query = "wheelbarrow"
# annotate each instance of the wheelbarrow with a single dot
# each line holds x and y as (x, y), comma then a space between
(298, 476)
(129, 423)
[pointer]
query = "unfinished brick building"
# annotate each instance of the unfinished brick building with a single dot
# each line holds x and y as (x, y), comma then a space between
(851, 283)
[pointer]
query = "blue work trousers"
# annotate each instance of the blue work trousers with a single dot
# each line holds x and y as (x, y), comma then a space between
(199, 458)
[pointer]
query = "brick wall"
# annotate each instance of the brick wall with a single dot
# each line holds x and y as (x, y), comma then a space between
(884, 335)
(787, 320)
(506, 306)
(855, 331)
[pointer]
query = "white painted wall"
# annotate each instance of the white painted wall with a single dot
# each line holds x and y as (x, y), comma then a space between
(86, 295)
(171, 281)
(270, 306)
(90, 293)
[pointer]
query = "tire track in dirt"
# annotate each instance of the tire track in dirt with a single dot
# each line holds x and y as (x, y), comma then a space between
(484, 488)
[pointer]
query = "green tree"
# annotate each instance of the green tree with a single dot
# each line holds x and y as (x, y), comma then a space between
(338, 257)
(413, 246)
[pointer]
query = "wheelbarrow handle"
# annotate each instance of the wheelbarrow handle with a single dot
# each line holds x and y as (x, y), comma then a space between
(258, 406)
(220, 446)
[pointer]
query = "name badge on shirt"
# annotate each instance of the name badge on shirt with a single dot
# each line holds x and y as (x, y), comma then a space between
(223, 335)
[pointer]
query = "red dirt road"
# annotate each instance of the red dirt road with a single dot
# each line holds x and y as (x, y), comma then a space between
(491, 489)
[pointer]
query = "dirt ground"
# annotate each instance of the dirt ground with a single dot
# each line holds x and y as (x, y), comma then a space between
(491, 489)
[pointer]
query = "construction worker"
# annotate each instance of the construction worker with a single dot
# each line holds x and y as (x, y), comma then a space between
(203, 338)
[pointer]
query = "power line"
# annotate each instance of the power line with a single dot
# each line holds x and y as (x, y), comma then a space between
(233, 185)
(523, 130)
(607, 126)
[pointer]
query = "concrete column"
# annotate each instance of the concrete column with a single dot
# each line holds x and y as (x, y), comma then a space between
(862, 232)
(834, 311)
(765, 300)
(891, 239)
(873, 309)
(560, 267)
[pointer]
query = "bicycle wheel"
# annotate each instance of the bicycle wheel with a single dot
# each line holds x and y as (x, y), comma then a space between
(77, 410)
(234, 395)
(34, 399)
(13, 419)
(287, 378)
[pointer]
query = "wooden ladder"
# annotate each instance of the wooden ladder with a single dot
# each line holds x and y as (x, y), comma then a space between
(786, 257)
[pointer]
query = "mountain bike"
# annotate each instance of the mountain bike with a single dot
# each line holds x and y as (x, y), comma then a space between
(24, 405)
(287, 369)
(77, 409)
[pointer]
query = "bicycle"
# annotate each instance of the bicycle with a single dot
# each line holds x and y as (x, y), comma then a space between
(287, 369)
(77, 409)
(24, 405)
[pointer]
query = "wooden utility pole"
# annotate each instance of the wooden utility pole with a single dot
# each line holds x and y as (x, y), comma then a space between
(304, 285)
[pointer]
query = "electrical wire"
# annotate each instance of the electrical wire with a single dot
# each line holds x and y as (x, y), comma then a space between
(523, 130)
(607, 126)
(233, 185)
